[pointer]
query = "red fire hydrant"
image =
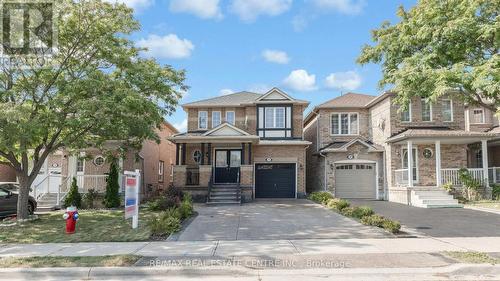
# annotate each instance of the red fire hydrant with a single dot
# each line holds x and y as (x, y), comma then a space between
(71, 217)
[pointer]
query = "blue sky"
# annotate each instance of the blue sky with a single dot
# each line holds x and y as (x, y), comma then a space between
(308, 48)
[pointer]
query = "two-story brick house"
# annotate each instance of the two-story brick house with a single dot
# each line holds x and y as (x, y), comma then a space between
(242, 146)
(361, 143)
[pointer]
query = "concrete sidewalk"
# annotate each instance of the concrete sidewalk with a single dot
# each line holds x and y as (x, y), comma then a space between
(270, 248)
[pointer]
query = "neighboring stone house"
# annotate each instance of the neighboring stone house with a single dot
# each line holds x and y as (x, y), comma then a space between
(90, 167)
(361, 143)
(7, 173)
(243, 146)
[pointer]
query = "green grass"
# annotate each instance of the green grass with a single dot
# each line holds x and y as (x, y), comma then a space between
(93, 226)
(472, 257)
(487, 204)
(104, 261)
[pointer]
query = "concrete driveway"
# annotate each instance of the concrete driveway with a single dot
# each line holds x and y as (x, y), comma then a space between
(445, 222)
(273, 220)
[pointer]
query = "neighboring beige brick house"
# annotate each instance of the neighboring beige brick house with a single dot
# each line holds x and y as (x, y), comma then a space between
(90, 167)
(243, 146)
(360, 143)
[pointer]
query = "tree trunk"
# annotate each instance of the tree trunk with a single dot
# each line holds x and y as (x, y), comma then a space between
(24, 192)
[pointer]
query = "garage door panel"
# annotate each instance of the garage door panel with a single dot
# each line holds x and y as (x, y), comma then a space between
(275, 181)
(355, 181)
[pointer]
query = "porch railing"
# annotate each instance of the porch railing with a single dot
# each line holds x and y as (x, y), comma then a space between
(494, 174)
(401, 177)
(192, 176)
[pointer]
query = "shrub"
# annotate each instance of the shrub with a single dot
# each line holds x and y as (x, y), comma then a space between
(174, 192)
(161, 204)
(321, 197)
(171, 212)
(111, 197)
(495, 191)
(73, 198)
(163, 225)
(337, 204)
(347, 211)
(362, 211)
(449, 187)
(471, 185)
(392, 226)
(89, 198)
(186, 208)
(374, 220)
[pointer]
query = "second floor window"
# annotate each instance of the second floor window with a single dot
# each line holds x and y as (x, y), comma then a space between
(344, 124)
(275, 117)
(216, 118)
(477, 116)
(447, 111)
(230, 117)
(426, 111)
(406, 114)
(202, 120)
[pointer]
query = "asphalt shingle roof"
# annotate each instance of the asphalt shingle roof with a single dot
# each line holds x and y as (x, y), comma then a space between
(348, 100)
(228, 100)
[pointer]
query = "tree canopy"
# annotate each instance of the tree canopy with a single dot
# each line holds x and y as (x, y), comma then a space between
(441, 46)
(96, 87)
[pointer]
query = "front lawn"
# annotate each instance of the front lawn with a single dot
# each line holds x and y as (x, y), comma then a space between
(103, 261)
(93, 226)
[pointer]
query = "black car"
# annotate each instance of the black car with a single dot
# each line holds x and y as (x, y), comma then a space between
(8, 201)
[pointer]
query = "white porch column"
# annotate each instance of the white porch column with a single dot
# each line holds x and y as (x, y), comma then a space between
(410, 163)
(438, 164)
(484, 154)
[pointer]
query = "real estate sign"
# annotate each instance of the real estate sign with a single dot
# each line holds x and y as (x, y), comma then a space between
(132, 183)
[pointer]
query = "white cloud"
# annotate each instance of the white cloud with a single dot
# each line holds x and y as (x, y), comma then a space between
(168, 47)
(250, 10)
(225, 92)
(205, 9)
(350, 7)
(136, 4)
(299, 23)
(300, 80)
(182, 126)
(349, 80)
(276, 56)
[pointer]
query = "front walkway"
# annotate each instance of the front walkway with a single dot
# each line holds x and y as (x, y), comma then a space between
(273, 220)
(444, 222)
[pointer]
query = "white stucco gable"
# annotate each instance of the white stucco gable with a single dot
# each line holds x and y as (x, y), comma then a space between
(226, 129)
(275, 94)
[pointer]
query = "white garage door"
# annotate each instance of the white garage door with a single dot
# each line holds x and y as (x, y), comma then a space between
(355, 181)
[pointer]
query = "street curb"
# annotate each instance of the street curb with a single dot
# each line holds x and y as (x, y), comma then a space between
(481, 209)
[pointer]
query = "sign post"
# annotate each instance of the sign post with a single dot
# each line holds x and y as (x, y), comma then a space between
(132, 182)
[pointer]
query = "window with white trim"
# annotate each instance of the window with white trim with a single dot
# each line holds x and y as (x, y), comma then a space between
(230, 117)
(202, 120)
(406, 114)
(275, 117)
(216, 118)
(478, 116)
(447, 110)
(344, 124)
(426, 111)
(161, 170)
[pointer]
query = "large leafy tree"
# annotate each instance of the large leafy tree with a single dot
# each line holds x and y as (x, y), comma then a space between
(95, 88)
(440, 46)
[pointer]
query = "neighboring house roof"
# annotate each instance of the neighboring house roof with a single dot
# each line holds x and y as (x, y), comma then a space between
(437, 132)
(171, 127)
(349, 100)
(244, 98)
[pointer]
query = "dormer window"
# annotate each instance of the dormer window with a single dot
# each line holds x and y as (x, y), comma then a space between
(202, 120)
(274, 121)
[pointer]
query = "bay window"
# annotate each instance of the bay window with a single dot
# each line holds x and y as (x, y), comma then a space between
(344, 124)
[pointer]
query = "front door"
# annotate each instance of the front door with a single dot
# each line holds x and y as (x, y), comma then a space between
(227, 166)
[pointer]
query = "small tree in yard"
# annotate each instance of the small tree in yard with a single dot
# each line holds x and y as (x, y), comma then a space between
(112, 198)
(438, 47)
(95, 88)
(73, 198)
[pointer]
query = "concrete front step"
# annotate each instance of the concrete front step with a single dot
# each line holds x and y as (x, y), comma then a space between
(433, 198)
(223, 202)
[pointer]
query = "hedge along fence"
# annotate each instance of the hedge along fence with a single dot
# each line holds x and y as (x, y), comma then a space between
(363, 213)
